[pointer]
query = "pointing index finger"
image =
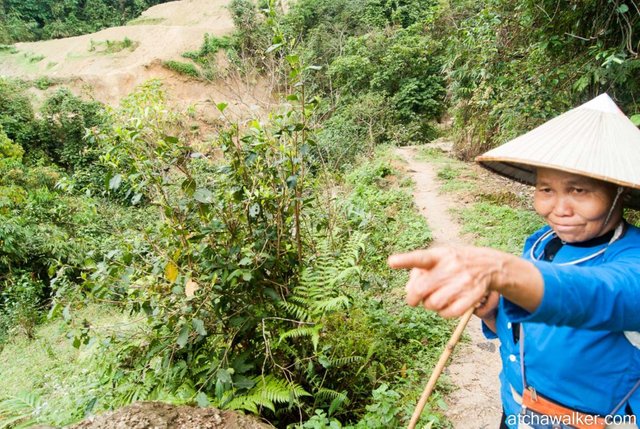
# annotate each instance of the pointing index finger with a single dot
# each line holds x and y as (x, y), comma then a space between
(416, 259)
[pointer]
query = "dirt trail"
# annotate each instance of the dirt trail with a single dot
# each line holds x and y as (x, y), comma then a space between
(475, 403)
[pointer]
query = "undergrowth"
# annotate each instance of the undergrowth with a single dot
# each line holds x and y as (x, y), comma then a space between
(496, 216)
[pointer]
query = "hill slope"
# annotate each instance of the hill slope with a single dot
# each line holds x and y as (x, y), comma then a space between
(162, 33)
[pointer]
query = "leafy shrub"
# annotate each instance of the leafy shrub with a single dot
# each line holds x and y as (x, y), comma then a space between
(65, 118)
(20, 305)
(354, 128)
(17, 117)
(513, 65)
(9, 149)
(186, 69)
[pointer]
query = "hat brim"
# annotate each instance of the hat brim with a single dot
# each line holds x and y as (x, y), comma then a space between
(524, 171)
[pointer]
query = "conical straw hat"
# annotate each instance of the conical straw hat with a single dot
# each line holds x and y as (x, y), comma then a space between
(595, 139)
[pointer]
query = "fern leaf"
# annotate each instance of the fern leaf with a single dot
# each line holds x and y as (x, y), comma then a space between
(248, 403)
(333, 304)
(305, 331)
(17, 411)
(337, 402)
(345, 360)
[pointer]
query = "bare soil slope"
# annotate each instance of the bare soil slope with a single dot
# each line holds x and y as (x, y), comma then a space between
(162, 33)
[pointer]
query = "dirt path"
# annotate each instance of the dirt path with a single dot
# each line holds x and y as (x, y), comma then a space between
(474, 404)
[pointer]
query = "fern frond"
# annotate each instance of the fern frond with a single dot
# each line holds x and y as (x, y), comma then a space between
(305, 331)
(345, 360)
(329, 394)
(337, 402)
(278, 390)
(249, 403)
(267, 392)
(332, 304)
(18, 411)
(298, 311)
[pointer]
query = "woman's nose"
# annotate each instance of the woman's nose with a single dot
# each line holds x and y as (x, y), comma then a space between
(563, 207)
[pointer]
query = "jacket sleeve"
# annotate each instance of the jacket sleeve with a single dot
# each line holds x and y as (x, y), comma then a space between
(603, 297)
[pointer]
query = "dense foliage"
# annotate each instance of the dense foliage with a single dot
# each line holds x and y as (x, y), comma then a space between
(514, 64)
(42, 227)
(27, 20)
(254, 289)
(254, 268)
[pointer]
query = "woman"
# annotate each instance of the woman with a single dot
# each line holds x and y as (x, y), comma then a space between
(565, 312)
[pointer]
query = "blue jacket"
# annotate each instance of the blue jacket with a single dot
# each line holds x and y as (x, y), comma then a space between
(575, 350)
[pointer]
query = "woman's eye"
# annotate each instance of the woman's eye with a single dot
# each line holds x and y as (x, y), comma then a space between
(579, 190)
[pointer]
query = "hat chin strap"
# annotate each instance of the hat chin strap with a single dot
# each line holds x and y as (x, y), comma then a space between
(619, 192)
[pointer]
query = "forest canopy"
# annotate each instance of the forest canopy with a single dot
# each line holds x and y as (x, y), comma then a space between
(28, 20)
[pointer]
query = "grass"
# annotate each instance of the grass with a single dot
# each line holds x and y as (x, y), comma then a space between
(180, 67)
(113, 46)
(28, 61)
(145, 21)
(380, 203)
(499, 225)
(50, 373)
(11, 49)
(496, 217)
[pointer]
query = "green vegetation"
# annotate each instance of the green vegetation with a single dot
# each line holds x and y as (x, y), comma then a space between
(514, 64)
(497, 217)
(320, 326)
(507, 65)
(28, 20)
(180, 67)
(250, 273)
(113, 46)
(145, 21)
(39, 373)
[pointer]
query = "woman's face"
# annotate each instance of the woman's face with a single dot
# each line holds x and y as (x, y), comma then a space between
(575, 207)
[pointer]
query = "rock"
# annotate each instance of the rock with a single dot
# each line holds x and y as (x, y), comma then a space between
(158, 415)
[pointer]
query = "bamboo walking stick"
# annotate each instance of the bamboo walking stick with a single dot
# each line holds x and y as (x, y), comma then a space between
(455, 337)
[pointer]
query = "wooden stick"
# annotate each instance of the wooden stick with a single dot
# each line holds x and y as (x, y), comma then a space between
(455, 337)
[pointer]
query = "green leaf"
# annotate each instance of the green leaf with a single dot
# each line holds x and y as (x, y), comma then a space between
(273, 48)
(189, 186)
(222, 106)
(203, 196)
(183, 337)
(636, 119)
(292, 97)
(224, 376)
(243, 382)
(171, 139)
(136, 198)
(198, 325)
(202, 400)
(293, 60)
(115, 182)
(623, 8)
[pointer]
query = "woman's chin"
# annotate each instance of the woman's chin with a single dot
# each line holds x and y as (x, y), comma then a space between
(570, 235)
